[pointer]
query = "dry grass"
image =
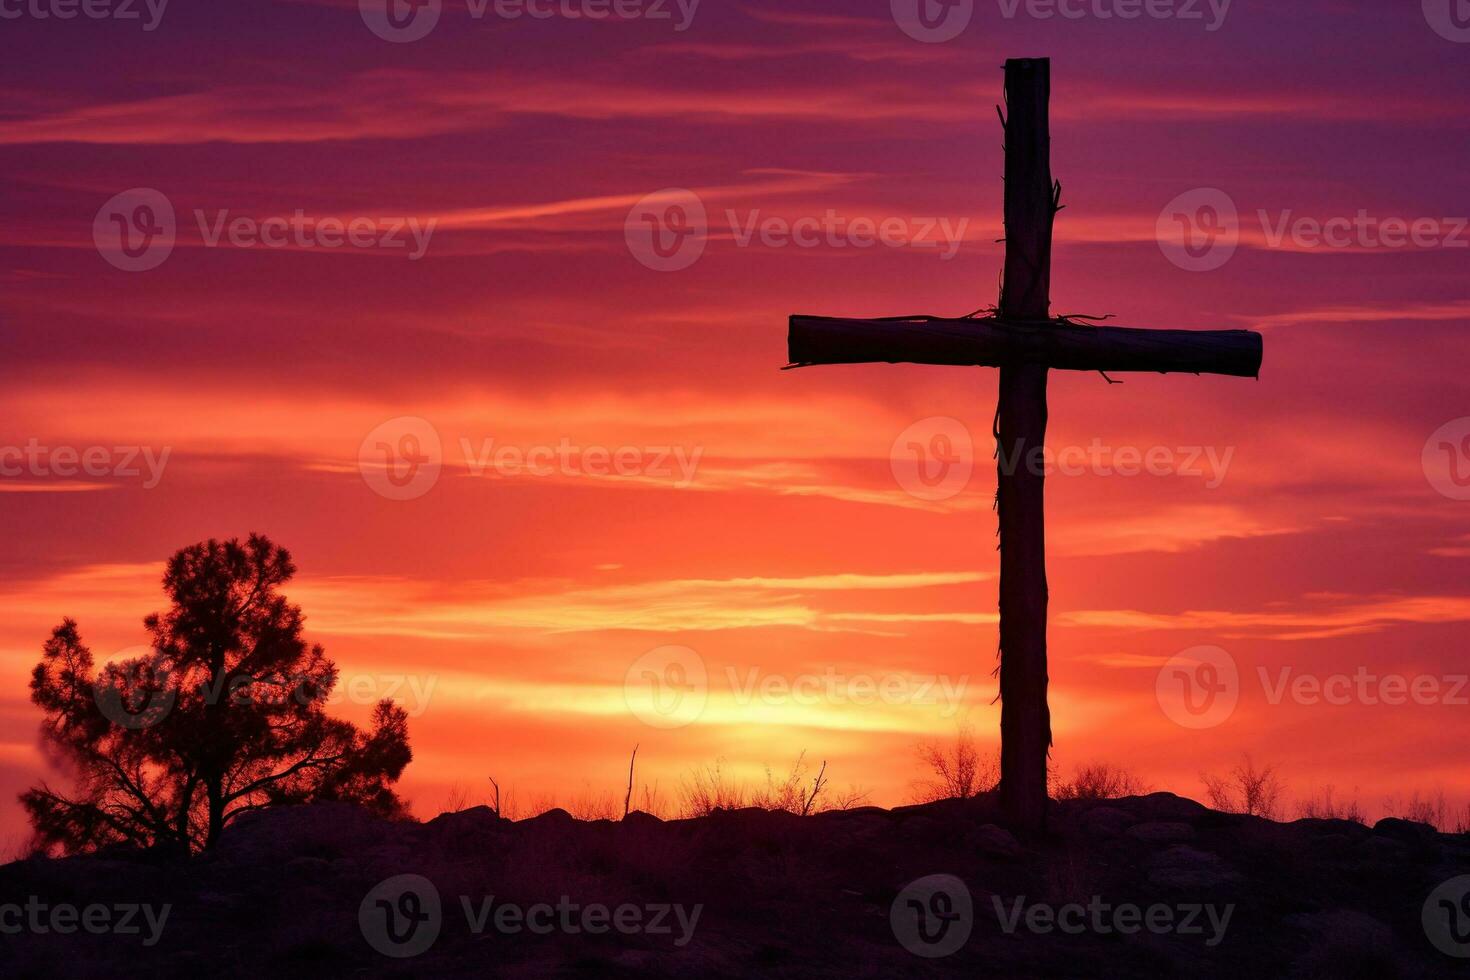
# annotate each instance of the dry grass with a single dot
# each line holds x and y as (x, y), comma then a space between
(1326, 805)
(958, 769)
(1099, 781)
(799, 790)
(1246, 789)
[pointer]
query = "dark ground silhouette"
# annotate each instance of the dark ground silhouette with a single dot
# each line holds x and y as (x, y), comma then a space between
(1139, 887)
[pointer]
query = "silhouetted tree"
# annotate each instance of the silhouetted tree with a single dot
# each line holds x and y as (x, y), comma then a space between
(222, 716)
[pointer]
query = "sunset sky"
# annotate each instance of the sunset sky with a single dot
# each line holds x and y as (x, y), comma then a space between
(766, 521)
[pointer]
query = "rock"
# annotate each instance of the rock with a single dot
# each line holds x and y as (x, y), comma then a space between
(277, 834)
(994, 842)
(554, 819)
(637, 819)
(1342, 942)
(921, 827)
(1167, 807)
(309, 865)
(1161, 832)
(1183, 867)
(1409, 832)
(1106, 822)
(1383, 849)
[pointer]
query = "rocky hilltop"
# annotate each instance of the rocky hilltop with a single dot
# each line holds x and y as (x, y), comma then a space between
(1140, 887)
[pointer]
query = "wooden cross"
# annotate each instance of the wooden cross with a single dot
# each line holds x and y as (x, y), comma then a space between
(1024, 341)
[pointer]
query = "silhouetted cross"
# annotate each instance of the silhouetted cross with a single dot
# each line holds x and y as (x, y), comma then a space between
(1024, 341)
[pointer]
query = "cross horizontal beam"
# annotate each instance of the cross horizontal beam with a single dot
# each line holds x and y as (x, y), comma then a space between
(994, 342)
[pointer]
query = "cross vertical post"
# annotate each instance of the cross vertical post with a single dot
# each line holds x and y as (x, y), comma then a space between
(1020, 429)
(1025, 341)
